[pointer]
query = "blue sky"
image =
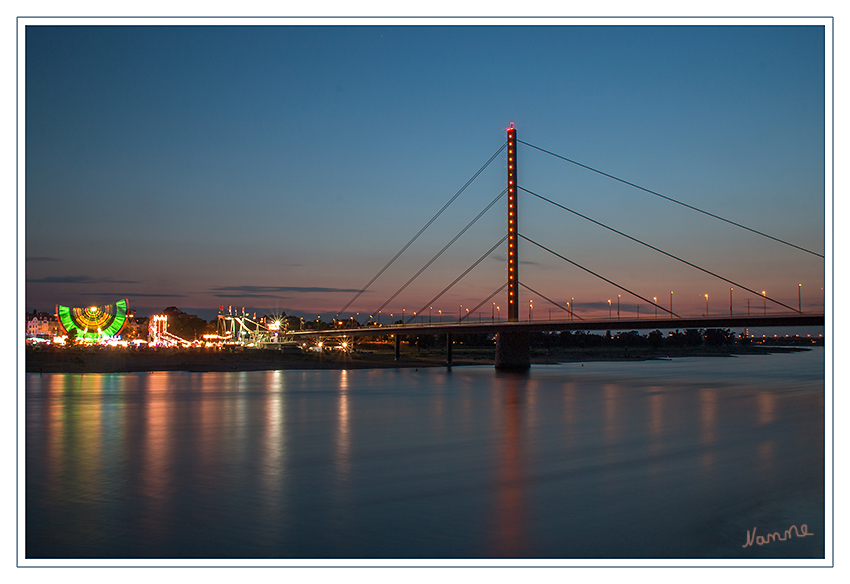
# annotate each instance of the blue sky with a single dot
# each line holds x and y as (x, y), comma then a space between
(280, 167)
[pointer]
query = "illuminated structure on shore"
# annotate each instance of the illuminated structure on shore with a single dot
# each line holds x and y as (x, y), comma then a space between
(93, 323)
(158, 335)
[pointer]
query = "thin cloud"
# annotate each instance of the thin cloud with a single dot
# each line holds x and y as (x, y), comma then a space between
(250, 295)
(134, 295)
(266, 290)
(503, 260)
(79, 280)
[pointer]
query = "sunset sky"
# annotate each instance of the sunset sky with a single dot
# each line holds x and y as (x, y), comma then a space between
(281, 167)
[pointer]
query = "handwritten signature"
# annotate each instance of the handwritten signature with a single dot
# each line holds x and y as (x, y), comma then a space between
(775, 536)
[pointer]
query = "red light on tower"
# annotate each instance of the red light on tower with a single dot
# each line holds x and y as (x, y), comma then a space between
(513, 258)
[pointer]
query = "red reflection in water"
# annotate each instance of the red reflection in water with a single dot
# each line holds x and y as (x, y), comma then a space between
(510, 520)
(155, 460)
(708, 421)
(609, 431)
(211, 440)
(766, 407)
(74, 436)
(570, 404)
(55, 429)
(656, 427)
(273, 446)
(343, 440)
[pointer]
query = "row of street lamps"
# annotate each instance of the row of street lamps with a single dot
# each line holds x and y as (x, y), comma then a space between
(496, 313)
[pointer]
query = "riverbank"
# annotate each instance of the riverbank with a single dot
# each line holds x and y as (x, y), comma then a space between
(108, 360)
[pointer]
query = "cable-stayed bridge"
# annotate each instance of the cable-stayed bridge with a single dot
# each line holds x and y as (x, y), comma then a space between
(512, 332)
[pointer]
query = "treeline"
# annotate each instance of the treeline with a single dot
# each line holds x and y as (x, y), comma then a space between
(655, 339)
(584, 339)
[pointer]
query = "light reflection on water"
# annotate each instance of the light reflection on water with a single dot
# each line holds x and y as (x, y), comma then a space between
(657, 459)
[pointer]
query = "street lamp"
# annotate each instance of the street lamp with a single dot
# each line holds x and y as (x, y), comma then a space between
(609, 308)
(764, 295)
(618, 307)
(572, 303)
(671, 304)
(655, 301)
(441, 315)
(493, 313)
(730, 302)
(459, 308)
(706, 304)
(530, 310)
(800, 298)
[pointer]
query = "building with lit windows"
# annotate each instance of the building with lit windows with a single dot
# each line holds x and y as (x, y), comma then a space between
(42, 325)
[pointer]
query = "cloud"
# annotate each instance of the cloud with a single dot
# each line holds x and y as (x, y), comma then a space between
(134, 295)
(504, 260)
(270, 291)
(79, 280)
(597, 305)
(250, 295)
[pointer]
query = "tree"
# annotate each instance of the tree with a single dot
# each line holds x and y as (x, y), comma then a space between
(656, 339)
(718, 337)
(693, 338)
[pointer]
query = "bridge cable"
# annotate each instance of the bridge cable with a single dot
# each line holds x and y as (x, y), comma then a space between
(543, 247)
(530, 289)
(439, 253)
(652, 247)
(673, 200)
(458, 279)
(415, 237)
(483, 302)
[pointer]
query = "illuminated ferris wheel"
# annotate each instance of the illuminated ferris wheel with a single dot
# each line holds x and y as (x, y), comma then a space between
(93, 323)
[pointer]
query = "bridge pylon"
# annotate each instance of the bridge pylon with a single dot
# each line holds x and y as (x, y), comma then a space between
(513, 349)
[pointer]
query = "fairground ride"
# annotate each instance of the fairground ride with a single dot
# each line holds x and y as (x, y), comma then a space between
(93, 323)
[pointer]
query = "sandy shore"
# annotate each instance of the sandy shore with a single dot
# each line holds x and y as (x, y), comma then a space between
(94, 360)
(114, 361)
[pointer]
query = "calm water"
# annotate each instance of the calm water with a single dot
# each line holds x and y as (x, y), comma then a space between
(661, 459)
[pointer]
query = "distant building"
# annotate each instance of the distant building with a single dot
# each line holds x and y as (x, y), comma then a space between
(42, 324)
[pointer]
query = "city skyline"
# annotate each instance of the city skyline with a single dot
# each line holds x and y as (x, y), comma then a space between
(280, 167)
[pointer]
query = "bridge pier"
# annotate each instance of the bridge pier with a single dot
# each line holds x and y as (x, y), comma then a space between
(448, 350)
(513, 351)
(397, 343)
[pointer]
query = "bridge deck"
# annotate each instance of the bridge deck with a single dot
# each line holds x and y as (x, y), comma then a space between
(622, 324)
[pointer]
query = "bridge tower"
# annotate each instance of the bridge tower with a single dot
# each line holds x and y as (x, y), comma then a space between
(513, 348)
(513, 250)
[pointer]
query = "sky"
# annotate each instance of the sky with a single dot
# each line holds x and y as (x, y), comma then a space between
(279, 168)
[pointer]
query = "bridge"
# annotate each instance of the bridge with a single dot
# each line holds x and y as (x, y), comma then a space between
(512, 334)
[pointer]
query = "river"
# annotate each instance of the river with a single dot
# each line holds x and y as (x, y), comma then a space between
(653, 459)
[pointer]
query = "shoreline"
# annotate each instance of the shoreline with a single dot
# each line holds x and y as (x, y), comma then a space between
(92, 360)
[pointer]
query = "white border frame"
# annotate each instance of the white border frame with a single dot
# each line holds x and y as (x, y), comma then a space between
(829, 390)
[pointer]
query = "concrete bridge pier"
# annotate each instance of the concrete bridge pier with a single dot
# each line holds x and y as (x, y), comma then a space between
(397, 343)
(513, 351)
(448, 350)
